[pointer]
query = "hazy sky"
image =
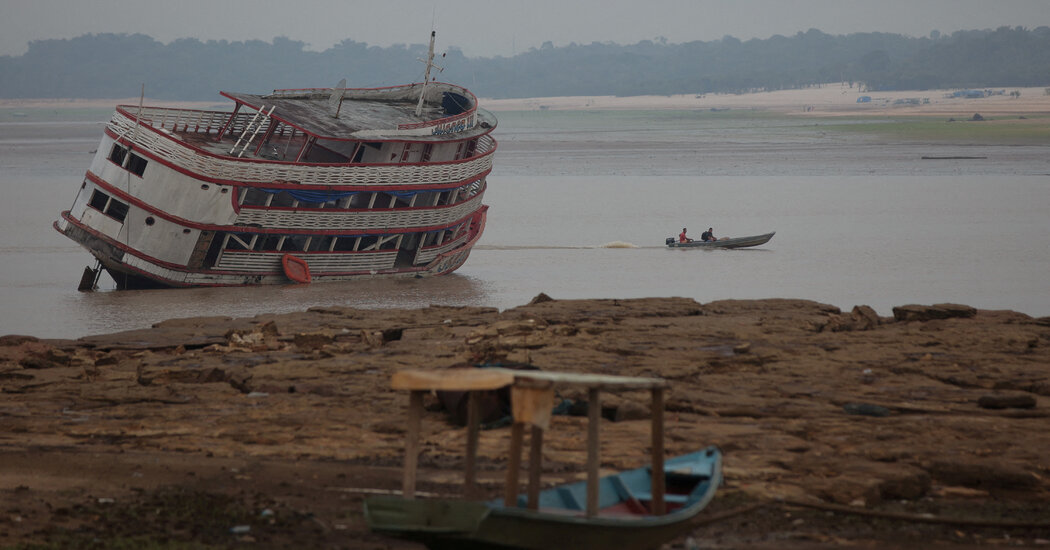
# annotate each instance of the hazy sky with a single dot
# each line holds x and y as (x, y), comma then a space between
(498, 27)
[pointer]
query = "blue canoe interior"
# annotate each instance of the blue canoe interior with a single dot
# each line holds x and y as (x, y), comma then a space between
(628, 494)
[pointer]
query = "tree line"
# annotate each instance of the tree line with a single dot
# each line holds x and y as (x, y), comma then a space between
(115, 65)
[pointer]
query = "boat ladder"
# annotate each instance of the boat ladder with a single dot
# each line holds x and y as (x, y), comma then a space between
(257, 122)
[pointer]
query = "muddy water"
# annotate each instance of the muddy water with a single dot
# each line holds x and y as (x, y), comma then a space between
(858, 221)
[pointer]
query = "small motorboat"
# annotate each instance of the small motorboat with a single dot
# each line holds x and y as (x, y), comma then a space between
(727, 242)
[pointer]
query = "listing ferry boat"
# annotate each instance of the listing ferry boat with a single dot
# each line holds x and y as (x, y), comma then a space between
(313, 184)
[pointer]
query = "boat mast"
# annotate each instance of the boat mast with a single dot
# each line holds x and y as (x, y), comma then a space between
(429, 61)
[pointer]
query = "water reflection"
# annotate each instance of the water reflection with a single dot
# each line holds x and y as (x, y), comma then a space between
(112, 310)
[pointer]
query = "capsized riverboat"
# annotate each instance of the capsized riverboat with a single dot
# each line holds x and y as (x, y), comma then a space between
(728, 242)
(354, 183)
(634, 509)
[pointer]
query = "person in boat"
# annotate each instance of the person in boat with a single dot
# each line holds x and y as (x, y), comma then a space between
(682, 238)
(708, 235)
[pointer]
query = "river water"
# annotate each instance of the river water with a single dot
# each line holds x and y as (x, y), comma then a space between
(580, 205)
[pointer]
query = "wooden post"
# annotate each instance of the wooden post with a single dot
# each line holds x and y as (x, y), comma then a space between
(535, 460)
(229, 122)
(594, 417)
(415, 413)
(510, 489)
(658, 506)
(473, 427)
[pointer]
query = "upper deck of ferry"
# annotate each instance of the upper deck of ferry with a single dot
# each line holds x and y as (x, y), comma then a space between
(326, 126)
(376, 114)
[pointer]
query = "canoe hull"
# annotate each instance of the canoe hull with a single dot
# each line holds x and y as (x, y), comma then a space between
(451, 524)
(734, 242)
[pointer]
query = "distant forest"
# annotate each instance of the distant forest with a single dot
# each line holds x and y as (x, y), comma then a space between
(115, 65)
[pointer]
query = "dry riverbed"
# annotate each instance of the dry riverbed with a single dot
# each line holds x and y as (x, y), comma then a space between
(266, 432)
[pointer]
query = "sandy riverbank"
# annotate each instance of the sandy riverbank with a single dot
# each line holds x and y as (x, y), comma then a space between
(828, 100)
(184, 430)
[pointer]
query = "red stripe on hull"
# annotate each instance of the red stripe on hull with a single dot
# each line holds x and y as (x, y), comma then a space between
(278, 185)
(264, 231)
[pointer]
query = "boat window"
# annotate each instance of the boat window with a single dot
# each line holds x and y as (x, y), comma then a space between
(472, 146)
(331, 151)
(214, 248)
(344, 244)
(454, 104)
(473, 188)
(367, 242)
(382, 200)
(424, 198)
(108, 205)
(254, 197)
(390, 244)
(117, 210)
(320, 244)
(137, 165)
(283, 199)
(239, 241)
(271, 242)
(359, 153)
(99, 200)
(117, 154)
(359, 200)
(296, 242)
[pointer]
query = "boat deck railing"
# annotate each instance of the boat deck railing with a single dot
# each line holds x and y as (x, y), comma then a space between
(188, 120)
(156, 135)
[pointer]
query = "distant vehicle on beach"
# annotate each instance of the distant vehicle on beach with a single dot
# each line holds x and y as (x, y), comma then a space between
(296, 185)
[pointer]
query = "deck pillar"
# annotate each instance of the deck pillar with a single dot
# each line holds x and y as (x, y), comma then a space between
(229, 121)
(510, 488)
(415, 414)
(594, 417)
(535, 463)
(473, 428)
(658, 505)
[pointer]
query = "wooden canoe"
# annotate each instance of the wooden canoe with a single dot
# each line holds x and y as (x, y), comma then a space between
(625, 520)
(731, 242)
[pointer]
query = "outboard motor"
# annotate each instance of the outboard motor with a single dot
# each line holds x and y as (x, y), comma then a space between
(669, 241)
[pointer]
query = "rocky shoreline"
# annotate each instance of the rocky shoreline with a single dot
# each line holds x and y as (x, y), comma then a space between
(267, 431)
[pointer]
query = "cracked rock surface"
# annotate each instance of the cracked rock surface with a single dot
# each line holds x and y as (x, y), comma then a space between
(941, 408)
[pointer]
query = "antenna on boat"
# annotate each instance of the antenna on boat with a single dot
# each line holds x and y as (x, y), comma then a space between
(138, 118)
(335, 101)
(134, 129)
(429, 61)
